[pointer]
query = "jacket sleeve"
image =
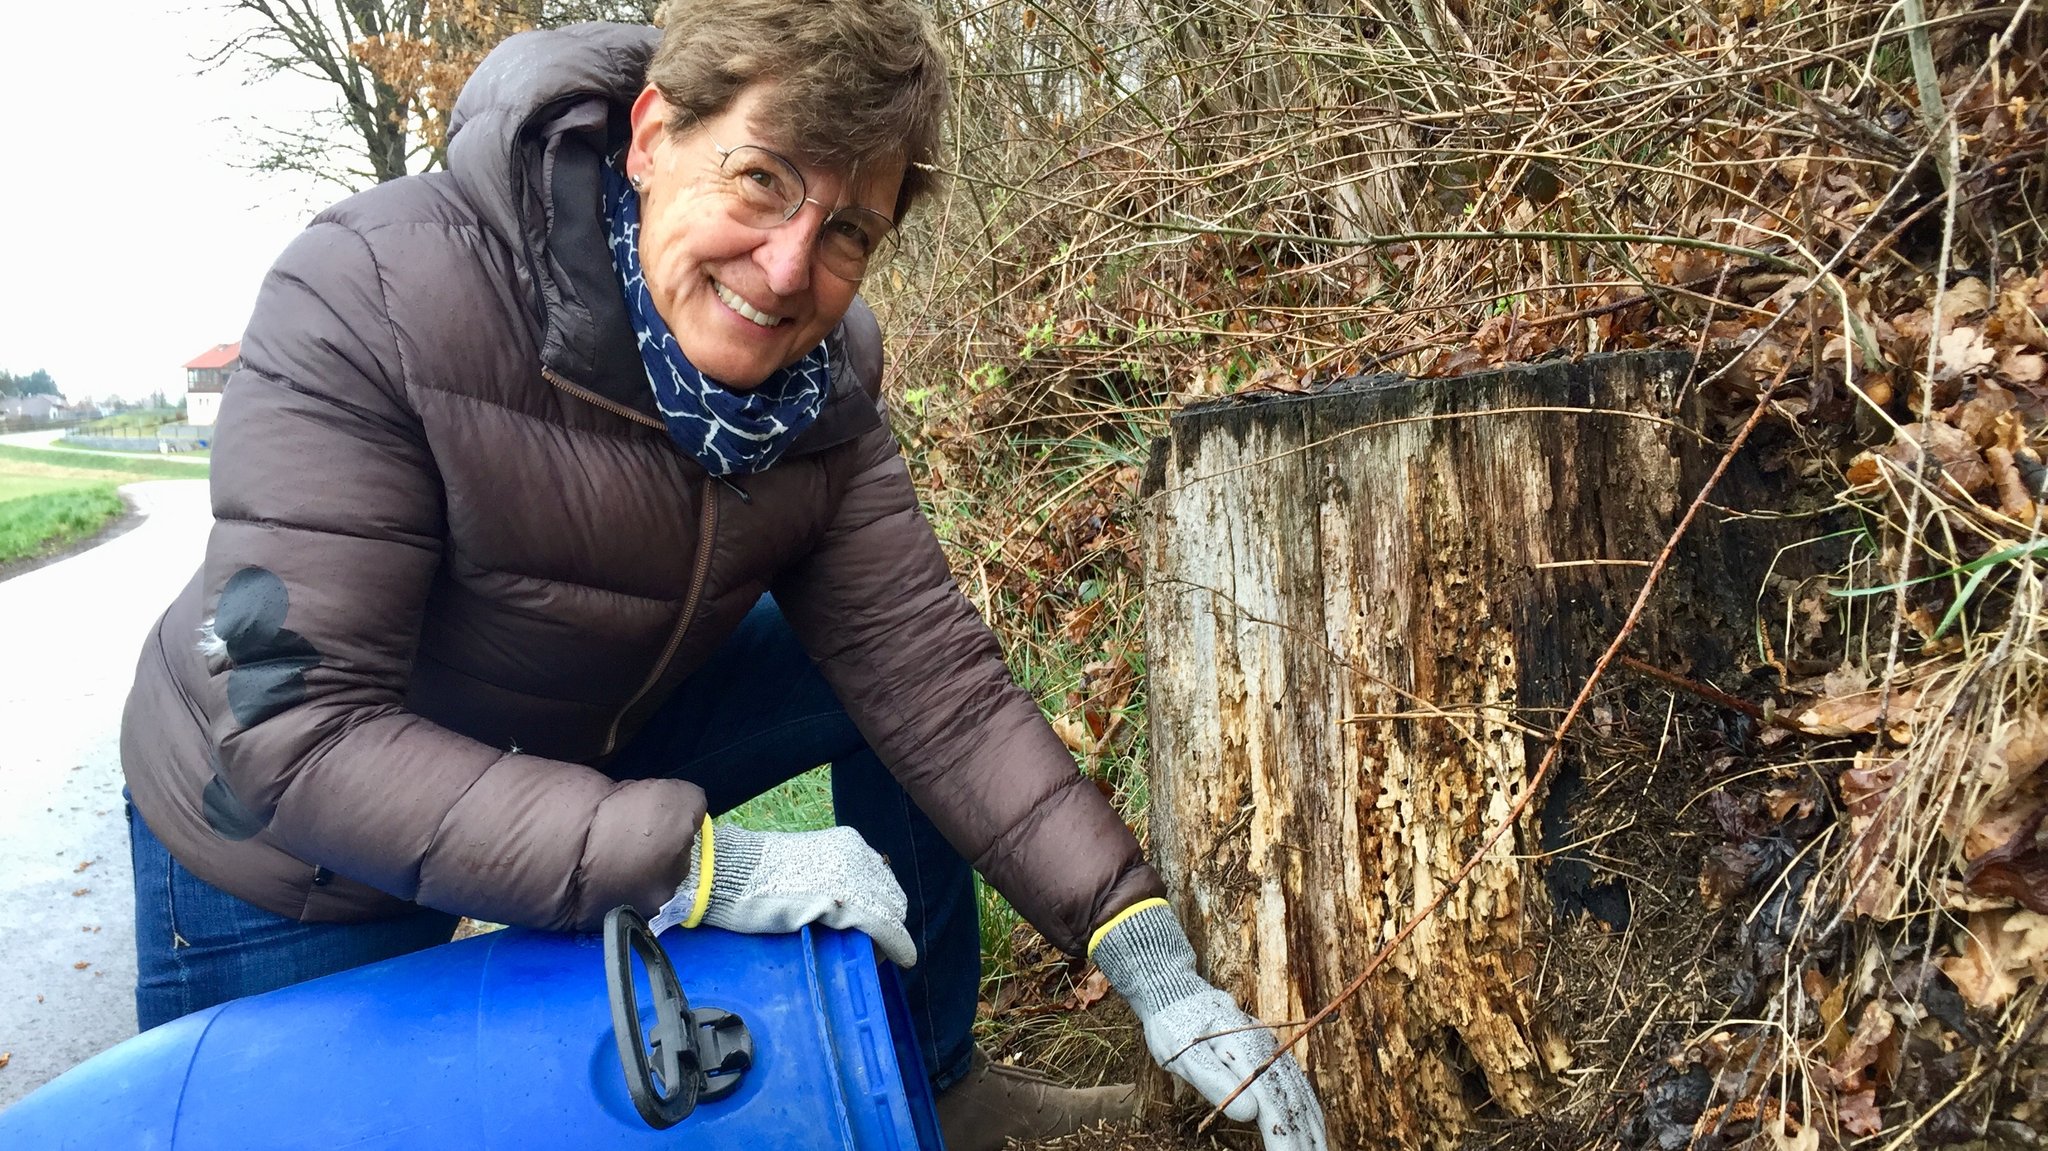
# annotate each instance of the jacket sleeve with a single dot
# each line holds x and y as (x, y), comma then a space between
(328, 534)
(924, 680)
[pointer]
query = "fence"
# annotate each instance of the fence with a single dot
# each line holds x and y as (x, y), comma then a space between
(24, 424)
(164, 438)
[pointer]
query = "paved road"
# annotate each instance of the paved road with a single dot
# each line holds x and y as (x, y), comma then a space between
(41, 439)
(72, 631)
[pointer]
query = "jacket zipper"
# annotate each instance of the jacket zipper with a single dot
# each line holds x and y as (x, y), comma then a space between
(707, 533)
(590, 397)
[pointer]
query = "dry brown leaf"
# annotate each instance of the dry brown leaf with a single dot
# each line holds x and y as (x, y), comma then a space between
(1090, 990)
(1968, 296)
(1999, 827)
(1074, 734)
(1874, 1027)
(1864, 471)
(2017, 867)
(1783, 802)
(6, 1057)
(1858, 1112)
(2024, 747)
(1995, 949)
(1949, 449)
(1847, 679)
(1834, 1035)
(1859, 712)
(2022, 367)
(2018, 308)
(2014, 501)
(1865, 784)
(1977, 418)
(1961, 352)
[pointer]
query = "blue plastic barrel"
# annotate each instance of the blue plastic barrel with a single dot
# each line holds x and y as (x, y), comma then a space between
(506, 1041)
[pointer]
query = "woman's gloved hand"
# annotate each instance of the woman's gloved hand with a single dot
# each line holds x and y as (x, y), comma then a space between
(1199, 1033)
(766, 882)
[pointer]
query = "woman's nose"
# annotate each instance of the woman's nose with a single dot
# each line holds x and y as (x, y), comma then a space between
(786, 253)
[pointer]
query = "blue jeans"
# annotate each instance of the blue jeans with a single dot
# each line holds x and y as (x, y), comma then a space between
(758, 714)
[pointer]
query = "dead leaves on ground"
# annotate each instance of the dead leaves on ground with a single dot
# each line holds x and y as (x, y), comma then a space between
(1994, 951)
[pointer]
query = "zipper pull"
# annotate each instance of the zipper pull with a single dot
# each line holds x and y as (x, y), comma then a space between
(736, 490)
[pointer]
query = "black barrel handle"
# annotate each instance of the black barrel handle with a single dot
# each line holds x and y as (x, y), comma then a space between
(690, 1057)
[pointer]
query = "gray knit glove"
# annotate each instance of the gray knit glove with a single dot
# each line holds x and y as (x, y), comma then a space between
(767, 882)
(1199, 1033)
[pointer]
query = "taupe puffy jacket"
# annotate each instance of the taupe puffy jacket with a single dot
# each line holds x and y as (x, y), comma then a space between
(457, 562)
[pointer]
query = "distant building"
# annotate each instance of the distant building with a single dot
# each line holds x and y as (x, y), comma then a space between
(206, 376)
(38, 409)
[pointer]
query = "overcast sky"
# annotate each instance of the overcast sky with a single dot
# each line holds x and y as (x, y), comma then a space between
(131, 239)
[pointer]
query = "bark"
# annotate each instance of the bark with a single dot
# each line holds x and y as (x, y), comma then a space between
(1364, 610)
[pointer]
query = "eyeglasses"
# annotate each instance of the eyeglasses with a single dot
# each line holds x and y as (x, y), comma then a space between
(768, 192)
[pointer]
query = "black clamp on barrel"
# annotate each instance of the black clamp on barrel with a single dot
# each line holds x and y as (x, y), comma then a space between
(691, 1057)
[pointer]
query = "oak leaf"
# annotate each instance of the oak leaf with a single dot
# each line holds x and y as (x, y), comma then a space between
(1995, 950)
(1968, 296)
(1961, 352)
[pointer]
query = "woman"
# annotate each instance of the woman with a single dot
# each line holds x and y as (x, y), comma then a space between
(517, 452)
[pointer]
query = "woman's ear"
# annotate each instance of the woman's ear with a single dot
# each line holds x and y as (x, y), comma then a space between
(650, 123)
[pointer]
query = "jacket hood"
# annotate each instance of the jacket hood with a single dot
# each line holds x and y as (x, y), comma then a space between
(526, 145)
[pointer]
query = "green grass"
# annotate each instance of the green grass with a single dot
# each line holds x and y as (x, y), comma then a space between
(802, 804)
(805, 804)
(49, 499)
(41, 522)
(116, 466)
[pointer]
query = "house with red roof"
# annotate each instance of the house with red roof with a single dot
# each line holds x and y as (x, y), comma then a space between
(206, 378)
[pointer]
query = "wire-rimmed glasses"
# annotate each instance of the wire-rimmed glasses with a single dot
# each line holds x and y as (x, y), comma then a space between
(769, 191)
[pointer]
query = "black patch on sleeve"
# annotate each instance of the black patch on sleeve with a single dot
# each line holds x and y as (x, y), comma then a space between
(229, 817)
(270, 660)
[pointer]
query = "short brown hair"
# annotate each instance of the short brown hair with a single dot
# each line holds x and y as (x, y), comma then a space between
(855, 80)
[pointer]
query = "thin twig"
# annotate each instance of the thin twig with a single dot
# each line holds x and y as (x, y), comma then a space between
(1712, 695)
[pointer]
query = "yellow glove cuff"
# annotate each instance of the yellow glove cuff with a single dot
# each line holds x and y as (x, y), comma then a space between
(1095, 940)
(702, 902)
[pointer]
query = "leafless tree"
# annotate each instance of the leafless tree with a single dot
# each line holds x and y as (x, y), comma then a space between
(371, 133)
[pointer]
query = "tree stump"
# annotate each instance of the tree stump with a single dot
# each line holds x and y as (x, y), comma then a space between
(1366, 607)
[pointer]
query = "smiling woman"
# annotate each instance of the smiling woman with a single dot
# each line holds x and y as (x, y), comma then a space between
(555, 513)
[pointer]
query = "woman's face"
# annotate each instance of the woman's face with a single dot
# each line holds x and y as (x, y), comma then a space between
(742, 301)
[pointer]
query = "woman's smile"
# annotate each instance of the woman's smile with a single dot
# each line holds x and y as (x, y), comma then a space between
(733, 300)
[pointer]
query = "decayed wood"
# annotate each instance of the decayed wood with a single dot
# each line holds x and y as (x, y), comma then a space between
(1360, 604)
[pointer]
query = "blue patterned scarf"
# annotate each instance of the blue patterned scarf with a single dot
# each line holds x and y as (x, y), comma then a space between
(729, 432)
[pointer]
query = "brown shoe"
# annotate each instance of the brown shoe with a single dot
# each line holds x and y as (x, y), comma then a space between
(996, 1103)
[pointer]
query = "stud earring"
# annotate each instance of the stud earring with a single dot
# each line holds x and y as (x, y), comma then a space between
(638, 181)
